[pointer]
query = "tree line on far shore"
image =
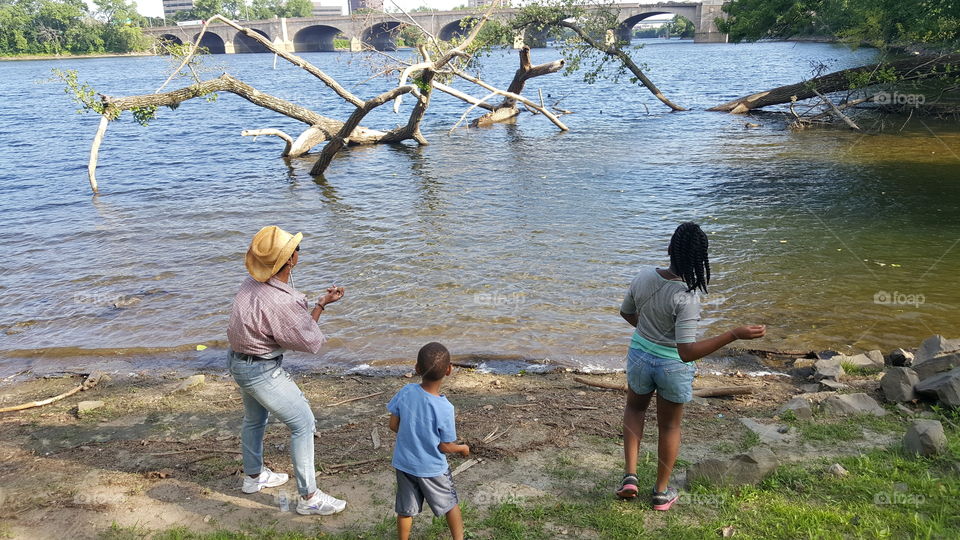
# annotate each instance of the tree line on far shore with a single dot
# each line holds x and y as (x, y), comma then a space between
(113, 26)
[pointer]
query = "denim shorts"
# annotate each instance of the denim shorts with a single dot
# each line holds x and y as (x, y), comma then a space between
(671, 378)
(438, 491)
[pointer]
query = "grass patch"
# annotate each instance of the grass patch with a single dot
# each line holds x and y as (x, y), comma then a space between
(853, 369)
(817, 430)
(885, 495)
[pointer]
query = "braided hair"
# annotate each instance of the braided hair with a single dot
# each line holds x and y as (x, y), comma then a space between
(688, 256)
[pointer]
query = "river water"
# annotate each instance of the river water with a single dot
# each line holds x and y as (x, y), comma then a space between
(513, 242)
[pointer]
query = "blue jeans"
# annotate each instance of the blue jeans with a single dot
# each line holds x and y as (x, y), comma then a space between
(671, 378)
(268, 389)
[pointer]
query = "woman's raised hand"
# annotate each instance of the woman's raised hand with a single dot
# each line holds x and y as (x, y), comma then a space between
(755, 331)
(333, 294)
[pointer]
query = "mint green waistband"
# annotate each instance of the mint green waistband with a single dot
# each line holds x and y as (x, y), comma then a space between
(644, 344)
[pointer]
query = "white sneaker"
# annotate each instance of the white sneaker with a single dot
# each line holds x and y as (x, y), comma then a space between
(321, 504)
(267, 478)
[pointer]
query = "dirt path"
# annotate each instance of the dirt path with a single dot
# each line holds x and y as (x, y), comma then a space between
(156, 459)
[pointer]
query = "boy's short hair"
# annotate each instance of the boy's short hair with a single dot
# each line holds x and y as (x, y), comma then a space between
(433, 361)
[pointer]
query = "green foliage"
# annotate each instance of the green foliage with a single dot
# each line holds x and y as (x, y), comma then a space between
(69, 27)
(586, 37)
(82, 93)
(143, 115)
(881, 23)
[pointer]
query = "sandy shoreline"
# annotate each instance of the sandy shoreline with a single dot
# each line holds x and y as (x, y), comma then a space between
(156, 458)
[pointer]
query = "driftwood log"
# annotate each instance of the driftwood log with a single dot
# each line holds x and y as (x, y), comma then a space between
(908, 69)
(718, 391)
(87, 384)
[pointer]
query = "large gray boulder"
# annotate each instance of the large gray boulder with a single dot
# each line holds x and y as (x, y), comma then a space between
(870, 360)
(748, 468)
(897, 384)
(945, 386)
(935, 346)
(829, 368)
(800, 406)
(938, 364)
(925, 438)
(848, 404)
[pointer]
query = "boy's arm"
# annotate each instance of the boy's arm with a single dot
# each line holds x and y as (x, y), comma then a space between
(454, 448)
(394, 423)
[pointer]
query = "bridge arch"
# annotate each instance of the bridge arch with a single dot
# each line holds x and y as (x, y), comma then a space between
(213, 42)
(316, 38)
(170, 38)
(243, 43)
(458, 28)
(382, 36)
(626, 27)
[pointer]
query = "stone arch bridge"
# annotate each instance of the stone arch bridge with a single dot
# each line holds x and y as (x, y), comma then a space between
(312, 34)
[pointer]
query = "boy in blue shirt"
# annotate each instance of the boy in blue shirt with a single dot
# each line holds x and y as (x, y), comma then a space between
(423, 420)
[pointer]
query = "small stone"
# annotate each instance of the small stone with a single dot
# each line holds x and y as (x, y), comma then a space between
(207, 518)
(925, 438)
(408, 375)
(767, 433)
(810, 388)
(581, 393)
(829, 385)
(837, 470)
(804, 362)
(877, 357)
(488, 407)
(901, 357)
(530, 398)
(847, 404)
(897, 384)
(747, 468)
(828, 369)
(783, 429)
(496, 382)
(191, 382)
(904, 409)
(800, 407)
(87, 406)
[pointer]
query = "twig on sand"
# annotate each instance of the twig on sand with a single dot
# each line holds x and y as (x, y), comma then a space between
(348, 464)
(355, 399)
(87, 384)
(700, 392)
(465, 465)
(200, 449)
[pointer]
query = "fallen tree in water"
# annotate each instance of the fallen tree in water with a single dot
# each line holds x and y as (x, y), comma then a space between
(868, 78)
(416, 78)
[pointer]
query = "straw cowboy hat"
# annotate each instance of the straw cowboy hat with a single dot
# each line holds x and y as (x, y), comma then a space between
(270, 249)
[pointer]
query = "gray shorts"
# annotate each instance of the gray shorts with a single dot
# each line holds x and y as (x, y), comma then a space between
(438, 491)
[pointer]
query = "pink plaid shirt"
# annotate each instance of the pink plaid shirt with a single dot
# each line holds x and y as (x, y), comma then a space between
(270, 316)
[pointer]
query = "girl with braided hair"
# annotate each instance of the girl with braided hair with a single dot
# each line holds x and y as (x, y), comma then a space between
(664, 308)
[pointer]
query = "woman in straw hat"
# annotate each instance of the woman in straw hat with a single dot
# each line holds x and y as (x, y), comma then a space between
(268, 318)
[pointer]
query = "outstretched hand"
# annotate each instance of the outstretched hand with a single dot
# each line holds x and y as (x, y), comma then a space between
(750, 331)
(333, 294)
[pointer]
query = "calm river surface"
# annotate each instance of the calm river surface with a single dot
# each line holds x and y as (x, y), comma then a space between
(515, 241)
